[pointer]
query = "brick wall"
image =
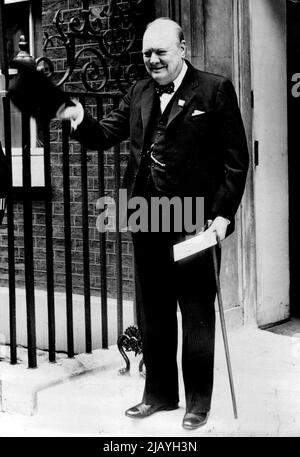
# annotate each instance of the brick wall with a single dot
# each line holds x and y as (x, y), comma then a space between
(57, 54)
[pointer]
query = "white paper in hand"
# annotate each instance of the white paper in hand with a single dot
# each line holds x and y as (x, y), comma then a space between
(193, 245)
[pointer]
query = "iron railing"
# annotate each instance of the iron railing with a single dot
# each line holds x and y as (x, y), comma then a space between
(111, 46)
(29, 261)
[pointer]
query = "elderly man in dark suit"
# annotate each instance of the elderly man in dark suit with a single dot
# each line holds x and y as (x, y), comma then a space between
(187, 139)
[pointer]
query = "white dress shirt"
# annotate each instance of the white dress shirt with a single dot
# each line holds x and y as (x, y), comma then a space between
(165, 98)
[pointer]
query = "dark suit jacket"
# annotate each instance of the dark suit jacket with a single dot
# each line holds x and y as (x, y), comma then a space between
(206, 154)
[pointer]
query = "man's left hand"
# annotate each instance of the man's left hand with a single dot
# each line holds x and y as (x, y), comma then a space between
(219, 225)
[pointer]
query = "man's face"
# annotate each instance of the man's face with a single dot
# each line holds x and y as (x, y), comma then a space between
(163, 53)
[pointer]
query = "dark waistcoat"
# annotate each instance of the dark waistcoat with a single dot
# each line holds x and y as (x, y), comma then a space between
(152, 176)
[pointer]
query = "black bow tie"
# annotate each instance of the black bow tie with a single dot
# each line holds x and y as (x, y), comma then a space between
(166, 89)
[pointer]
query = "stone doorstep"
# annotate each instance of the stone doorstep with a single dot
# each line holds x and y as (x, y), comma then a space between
(19, 385)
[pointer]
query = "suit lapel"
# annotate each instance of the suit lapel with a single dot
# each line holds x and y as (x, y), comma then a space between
(182, 98)
(183, 95)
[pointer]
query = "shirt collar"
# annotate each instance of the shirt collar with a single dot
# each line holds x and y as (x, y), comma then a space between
(180, 77)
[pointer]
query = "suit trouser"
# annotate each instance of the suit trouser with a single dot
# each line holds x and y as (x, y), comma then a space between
(161, 283)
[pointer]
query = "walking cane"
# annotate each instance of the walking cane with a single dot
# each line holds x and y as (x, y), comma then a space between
(223, 324)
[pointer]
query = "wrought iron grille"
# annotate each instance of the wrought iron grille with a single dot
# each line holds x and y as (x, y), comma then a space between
(97, 42)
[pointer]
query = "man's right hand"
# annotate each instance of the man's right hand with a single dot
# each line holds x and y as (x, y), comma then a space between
(73, 113)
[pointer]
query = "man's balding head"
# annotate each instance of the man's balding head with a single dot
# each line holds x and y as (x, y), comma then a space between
(163, 50)
(166, 22)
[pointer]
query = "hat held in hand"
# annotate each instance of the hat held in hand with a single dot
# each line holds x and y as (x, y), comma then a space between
(32, 91)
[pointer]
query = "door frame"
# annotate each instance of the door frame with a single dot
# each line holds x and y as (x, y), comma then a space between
(270, 173)
(246, 213)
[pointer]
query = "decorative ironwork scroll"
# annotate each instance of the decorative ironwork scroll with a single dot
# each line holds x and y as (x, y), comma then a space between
(97, 43)
(131, 341)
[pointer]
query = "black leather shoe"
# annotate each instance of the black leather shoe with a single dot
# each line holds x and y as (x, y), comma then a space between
(143, 410)
(194, 420)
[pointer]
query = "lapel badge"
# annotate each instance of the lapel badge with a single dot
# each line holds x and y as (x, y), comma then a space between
(181, 102)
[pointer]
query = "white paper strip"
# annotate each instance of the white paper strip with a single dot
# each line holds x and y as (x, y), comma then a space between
(193, 245)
